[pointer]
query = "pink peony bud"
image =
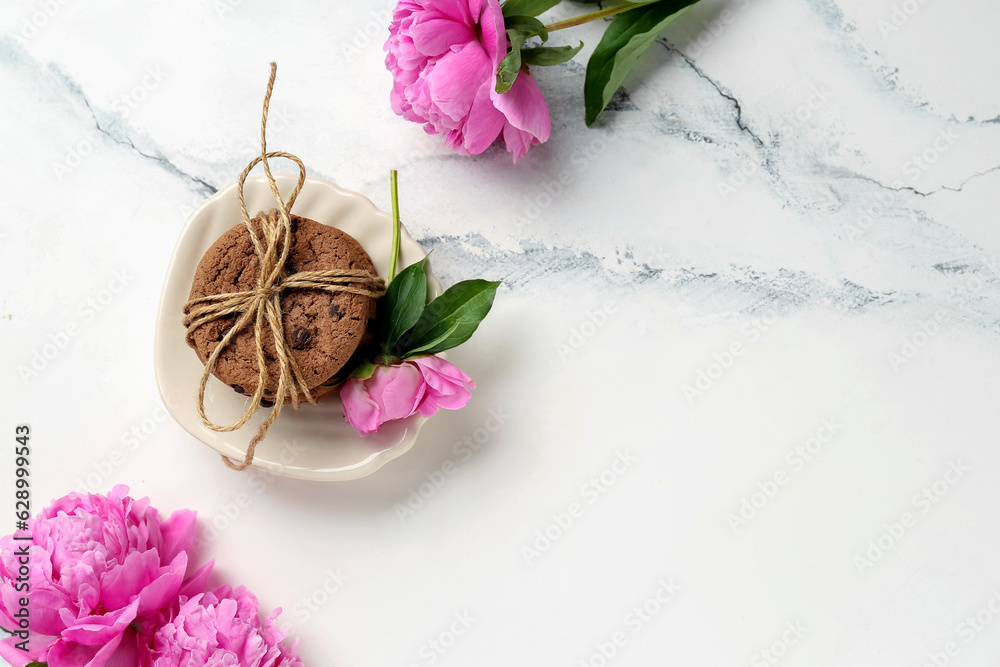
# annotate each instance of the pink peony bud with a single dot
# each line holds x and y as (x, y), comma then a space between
(423, 385)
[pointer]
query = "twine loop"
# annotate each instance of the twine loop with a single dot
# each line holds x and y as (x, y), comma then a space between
(261, 306)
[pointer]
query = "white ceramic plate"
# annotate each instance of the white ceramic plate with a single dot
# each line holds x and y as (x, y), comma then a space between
(313, 442)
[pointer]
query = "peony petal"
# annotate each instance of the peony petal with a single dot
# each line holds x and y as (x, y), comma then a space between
(445, 387)
(196, 582)
(455, 400)
(494, 34)
(517, 141)
(37, 647)
(461, 11)
(360, 411)
(398, 397)
(45, 605)
(70, 654)
(484, 123)
(123, 582)
(448, 386)
(524, 107)
(429, 406)
(99, 630)
(437, 36)
(125, 655)
(164, 586)
(454, 80)
(433, 364)
(177, 534)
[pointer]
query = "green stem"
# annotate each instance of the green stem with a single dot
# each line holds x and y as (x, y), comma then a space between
(593, 16)
(395, 225)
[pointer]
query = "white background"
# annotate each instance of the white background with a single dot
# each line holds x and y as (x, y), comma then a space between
(757, 186)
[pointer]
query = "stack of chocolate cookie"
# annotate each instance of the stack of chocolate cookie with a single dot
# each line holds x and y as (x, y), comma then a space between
(324, 330)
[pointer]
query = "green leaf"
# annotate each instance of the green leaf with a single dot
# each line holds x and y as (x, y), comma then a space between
(549, 55)
(527, 24)
(404, 302)
(363, 371)
(625, 40)
(510, 66)
(453, 317)
(527, 7)
(519, 30)
(36, 664)
(440, 339)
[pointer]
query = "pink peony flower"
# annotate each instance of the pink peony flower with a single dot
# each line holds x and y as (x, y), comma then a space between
(423, 385)
(443, 56)
(216, 629)
(97, 564)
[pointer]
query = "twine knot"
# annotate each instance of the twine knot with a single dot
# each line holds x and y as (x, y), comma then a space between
(271, 237)
(265, 293)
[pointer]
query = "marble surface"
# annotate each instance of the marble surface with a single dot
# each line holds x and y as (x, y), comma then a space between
(738, 399)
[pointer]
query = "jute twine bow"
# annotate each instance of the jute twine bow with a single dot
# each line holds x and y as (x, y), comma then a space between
(262, 305)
